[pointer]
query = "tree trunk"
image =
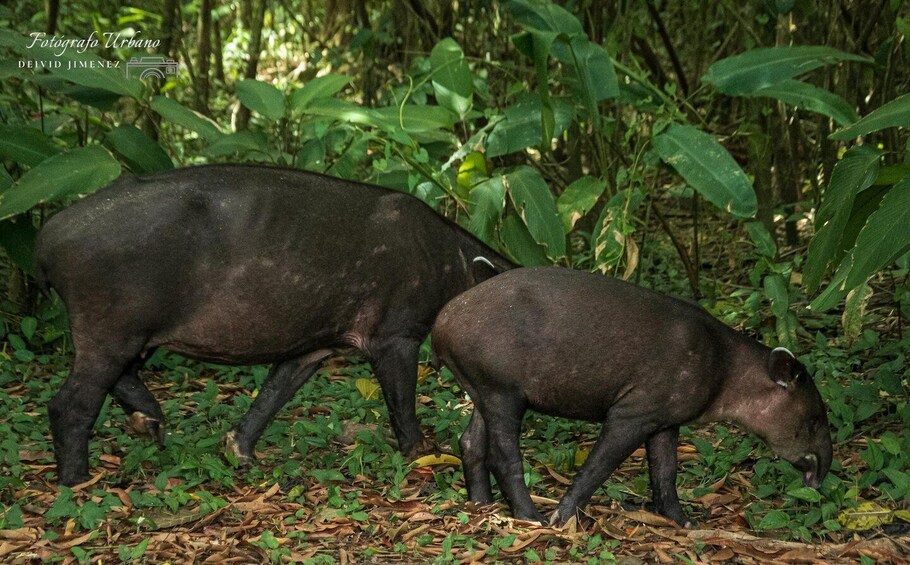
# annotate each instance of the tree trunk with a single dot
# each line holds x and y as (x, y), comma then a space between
(218, 50)
(203, 55)
(256, 12)
(52, 10)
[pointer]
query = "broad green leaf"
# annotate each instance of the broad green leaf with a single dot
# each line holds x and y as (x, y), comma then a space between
(17, 237)
(534, 203)
(544, 16)
(894, 114)
(777, 293)
(807, 494)
(773, 520)
(141, 153)
(261, 97)
(343, 111)
(488, 201)
(78, 171)
(708, 168)
(747, 72)
(413, 118)
(182, 116)
(319, 87)
(577, 200)
(25, 145)
(833, 294)
(240, 142)
(762, 239)
(521, 126)
(852, 174)
(593, 70)
(473, 169)
(855, 311)
(452, 79)
(519, 243)
(809, 97)
(884, 238)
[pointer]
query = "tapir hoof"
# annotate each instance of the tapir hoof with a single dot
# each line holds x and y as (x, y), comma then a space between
(232, 448)
(142, 425)
(71, 480)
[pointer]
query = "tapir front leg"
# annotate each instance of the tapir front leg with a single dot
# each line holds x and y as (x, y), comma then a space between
(619, 437)
(282, 382)
(395, 365)
(661, 448)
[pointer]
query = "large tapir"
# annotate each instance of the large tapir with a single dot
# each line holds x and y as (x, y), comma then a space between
(246, 265)
(585, 346)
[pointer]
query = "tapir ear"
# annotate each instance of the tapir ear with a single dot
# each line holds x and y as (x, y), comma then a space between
(482, 269)
(783, 367)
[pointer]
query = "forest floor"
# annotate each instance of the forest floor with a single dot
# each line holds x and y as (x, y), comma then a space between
(329, 486)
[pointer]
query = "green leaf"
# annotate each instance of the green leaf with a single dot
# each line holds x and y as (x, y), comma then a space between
(534, 202)
(240, 142)
(180, 115)
(17, 237)
(28, 326)
(520, 244)
(807, 494)
(319, 87)
(78, 171)
(852, 174)
(777, 293)
(884, 238)
(521, 126)
(343, 111)
(594, 70)
(452, 79)
(261, 97)
(577, 200)
(413, 118)
(773, 520)
(747, 72)
(141, 153)
(809, 97)
(894, 114)
(708, 168)
(762, 239)
(544, 16)
(487, 202)
(25, 145)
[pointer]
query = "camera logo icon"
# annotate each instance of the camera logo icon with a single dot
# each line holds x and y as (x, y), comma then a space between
(145, 67)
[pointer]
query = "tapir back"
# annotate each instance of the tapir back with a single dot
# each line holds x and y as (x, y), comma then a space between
(575, 352)
(248, 264)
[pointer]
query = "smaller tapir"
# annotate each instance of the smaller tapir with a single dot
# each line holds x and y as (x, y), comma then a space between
(584, 346)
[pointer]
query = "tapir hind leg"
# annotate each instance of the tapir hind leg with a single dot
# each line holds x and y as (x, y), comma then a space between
(619, 437)
(143, 413)
(283, 381)
(661, 448)
(75, 408)
(395, 365)
(502, 414)
(474, 451)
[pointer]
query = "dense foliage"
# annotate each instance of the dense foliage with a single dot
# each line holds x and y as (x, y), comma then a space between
(753, 157)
